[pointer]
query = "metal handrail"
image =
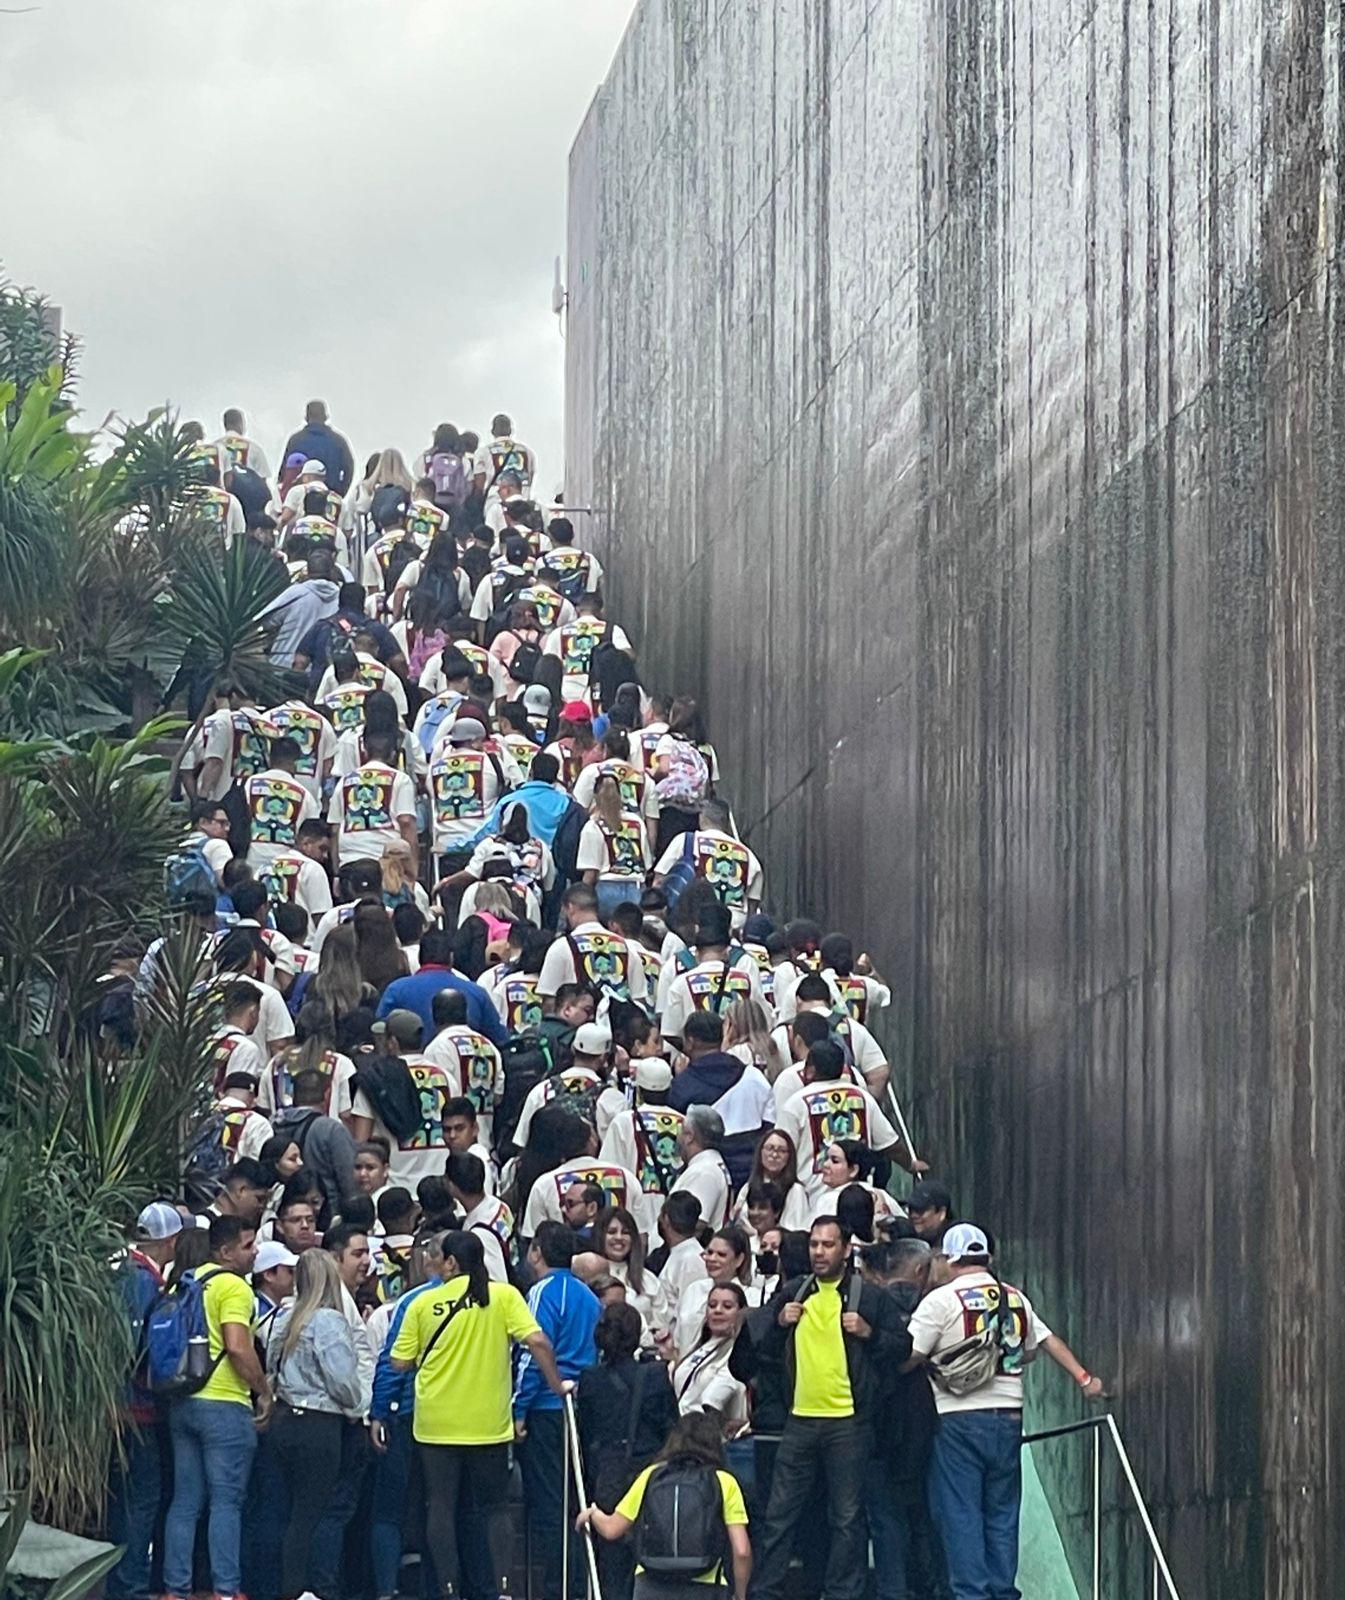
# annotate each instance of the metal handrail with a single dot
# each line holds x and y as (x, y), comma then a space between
(1096, 1425)
(903, 1127)
(574, 1463)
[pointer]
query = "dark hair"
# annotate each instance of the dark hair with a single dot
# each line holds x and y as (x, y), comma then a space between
(854, 1212)
(466, 1172)
(226, 1231)
(555, 1243)
(838, 954)
(250, 898)
(336, 1239)
(683, 1211)
(516, 828)
(765, 1193)
(545, 768)
(449, 1008)
(856, 1153)
(435, 1201)
(238, 995)
(245, 1170)
(794, 1260)
(705, 1027)
(408, 923)
(810, 1027)
(635, 1267)
(469, 1253)
(376, 1145)
(271, 1152)
(459, 1106)
(299, 1191)
(737, 1240)
(381, 958)
(393, 1204)
(803, 934)
(827, 1060)
(358, 1212)
(436, 948)
(697, 1437)
(618, 1333)
(830, 1220)
(715, 927)
(627, 919)
(291, 919)
(201, 809)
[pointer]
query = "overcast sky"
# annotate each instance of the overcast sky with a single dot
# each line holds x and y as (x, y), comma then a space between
(257, 203)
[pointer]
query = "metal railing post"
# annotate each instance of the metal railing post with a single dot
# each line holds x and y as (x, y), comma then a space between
(902, 1126)
(565, 1528)
(576, 1457)
(1097, 1514)
(1160, 1560)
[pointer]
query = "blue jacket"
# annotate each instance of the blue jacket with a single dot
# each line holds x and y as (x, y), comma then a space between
(417, 993)
(546, 806)
(395, 1392)
(322, 443)
(567, 1312)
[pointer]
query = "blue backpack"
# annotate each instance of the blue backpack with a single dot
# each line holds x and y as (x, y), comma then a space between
(433, 718)
(187, 872)
(681, 873)
(177, 1345)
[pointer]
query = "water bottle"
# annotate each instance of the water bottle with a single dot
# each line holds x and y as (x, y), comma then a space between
(198, 1356)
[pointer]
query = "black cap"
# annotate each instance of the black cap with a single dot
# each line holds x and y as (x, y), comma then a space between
(929, 1195)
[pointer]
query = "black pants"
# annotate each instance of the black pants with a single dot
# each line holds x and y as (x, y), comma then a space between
(673, 821)
(234, 803)
(484, 1469)
(542, 1457)
(329, 1565)
(838, 1448)
(308, 1447)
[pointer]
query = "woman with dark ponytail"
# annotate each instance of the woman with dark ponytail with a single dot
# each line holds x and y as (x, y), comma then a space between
(458, 1340)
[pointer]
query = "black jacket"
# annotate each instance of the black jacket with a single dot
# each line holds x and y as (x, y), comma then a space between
(868, 1361)
(905, 1440)
(604, 1399)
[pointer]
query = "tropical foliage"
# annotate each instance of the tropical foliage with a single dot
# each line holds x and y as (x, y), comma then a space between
(118, 610)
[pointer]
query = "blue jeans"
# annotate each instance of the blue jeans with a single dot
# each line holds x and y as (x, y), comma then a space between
(133, 1509)
(387, 1514)
(975, 1487)
(213, 1442)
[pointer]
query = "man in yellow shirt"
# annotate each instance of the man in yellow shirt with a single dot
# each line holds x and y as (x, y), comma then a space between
(835, 1334)
(214, 1431)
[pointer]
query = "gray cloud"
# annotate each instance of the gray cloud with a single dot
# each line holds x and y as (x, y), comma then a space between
(255, 204)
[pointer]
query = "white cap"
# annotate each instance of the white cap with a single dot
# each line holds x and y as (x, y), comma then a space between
(313, 468)
(653, 1074)
(159, 1220)
(591, 1040)
(964, 1241)
(273, 1254)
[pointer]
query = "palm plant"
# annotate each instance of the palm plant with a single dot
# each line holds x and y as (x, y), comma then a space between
(78, 1581)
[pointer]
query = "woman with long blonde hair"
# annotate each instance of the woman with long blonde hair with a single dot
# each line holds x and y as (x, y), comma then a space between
(315, 1373)
(389, 468)
(400, 885)
(614, 853)
(747, 1035)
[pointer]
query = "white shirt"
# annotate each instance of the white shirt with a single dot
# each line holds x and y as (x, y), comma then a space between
(706, 1176)
(574, 643)
(725, 862)
(424, 1153)
(822, 1113)
(621, 857)
(660, 1126)
(602, 950)
(542, 1092)
(702, 1382)
(278, 803)
(959, 1309)
(240, 451)
(366, 806)
(671, 970)
(474, 1067)
(364, 1355)
(685, 1265)
(300, 880)
(622, 1188)
(255, 1130)
(709, 986)
(486, 1221)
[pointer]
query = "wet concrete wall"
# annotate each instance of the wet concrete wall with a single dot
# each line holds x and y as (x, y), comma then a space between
(959, 390)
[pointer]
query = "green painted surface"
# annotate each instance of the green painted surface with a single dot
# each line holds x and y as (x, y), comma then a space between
(1043, 1572)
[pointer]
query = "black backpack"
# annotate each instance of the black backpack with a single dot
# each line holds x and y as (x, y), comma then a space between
(249, 489)
(608, 669)
(502, 602)
(442, 589)
(680, 1530)
(524, 664)
(387, 500)
(527, 1059)
(404, 552)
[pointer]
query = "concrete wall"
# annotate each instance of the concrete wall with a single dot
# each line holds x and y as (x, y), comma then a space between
(960, 388)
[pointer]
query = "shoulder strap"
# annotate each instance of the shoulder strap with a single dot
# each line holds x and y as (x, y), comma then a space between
(806, 1288)
(636, 1397)
(723, 983)
(438, 1333)
(646, 1149)
(853, 1290)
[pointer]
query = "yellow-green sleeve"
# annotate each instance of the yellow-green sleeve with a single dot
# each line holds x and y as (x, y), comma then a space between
(236, 1302)
(735, 1508)
(518, 1320)
(629, 1504)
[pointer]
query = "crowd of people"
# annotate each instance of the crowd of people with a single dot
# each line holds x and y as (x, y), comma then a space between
(525, 1105)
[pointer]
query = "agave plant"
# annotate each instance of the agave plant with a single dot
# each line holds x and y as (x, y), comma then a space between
(73, 1584)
